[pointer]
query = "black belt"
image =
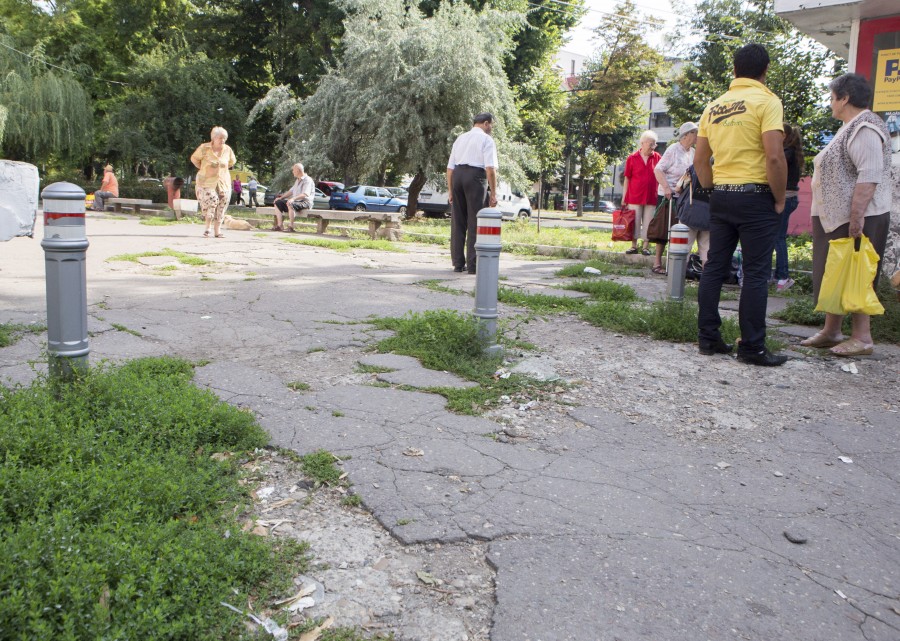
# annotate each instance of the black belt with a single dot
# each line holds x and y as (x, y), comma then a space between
(749, 188)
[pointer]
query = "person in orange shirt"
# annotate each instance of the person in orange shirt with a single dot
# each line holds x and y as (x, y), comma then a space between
(109, 188)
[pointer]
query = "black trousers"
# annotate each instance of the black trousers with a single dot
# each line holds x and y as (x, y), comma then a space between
(751, 219)
(469, 196)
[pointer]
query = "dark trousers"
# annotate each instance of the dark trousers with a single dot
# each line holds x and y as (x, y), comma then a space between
(469, 196)
(751, 219)
(251, 200)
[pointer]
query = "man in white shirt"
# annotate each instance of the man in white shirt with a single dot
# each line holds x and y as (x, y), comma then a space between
(252, 186)
(297, 198)
(472, 168)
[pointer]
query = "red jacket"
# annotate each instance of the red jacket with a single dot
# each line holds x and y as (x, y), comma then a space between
(641, 179)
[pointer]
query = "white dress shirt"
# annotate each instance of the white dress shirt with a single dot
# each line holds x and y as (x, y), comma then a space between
(303, 188)
(474, 148)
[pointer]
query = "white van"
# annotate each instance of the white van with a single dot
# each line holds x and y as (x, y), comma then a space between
(434, 203)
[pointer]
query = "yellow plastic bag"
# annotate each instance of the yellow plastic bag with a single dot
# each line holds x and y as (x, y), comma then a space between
(847, 281)
(859, 295)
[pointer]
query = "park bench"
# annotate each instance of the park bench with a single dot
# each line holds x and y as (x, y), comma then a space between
(390, 221)
(132, 203)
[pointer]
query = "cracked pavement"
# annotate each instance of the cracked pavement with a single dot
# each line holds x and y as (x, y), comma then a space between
(607, 526)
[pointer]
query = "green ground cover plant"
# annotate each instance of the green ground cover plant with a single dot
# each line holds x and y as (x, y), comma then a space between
(12, 332)
(321, 468)
(607, 268)
(184, 259)
(448, 340)
(115, 523)
(347, 245)
(160, 221)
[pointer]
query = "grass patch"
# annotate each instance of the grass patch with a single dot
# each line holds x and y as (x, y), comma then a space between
(800, 311)
(167, 268)
(260, 235)
(115, 522)
(122, 328)
(313, 350)
(347, 245)
(337, 413)
(298, 386)
(10, 333)
(445, 340)
(351, 500)
(605, 290)
(437, 285)
(538, 303)
(606, 268)
(402, 522)
(320, 467)
(160, 221)
(184, 259)
(373, 369)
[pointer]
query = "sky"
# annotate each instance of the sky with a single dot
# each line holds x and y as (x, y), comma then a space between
(580, 38)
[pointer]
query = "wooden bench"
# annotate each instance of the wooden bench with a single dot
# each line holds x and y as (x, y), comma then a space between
(390, 221)
(132, 203)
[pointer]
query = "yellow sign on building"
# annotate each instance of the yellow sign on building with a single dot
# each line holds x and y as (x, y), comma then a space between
(887, 81)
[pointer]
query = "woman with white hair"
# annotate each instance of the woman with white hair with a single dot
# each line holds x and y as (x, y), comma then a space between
(213, 159)
(639, 189)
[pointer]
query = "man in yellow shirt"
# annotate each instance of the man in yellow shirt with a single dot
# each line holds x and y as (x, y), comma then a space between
(743, 130)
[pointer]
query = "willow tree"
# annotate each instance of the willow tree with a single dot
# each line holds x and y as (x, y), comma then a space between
(48, 113)
(405, 86)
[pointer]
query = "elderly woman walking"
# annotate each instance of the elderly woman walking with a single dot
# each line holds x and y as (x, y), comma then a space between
(677, 159)
(213, 159)
(639, 188)
(851, 197)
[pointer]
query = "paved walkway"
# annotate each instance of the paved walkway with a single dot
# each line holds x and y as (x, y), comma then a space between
(607, 530)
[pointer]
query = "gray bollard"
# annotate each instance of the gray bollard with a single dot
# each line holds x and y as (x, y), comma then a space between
(487, 248)
(676, 264)
(65, 245)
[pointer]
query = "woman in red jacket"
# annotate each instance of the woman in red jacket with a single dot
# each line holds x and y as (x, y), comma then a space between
(640, 189)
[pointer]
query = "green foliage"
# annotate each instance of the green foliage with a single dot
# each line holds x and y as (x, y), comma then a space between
(320, 467)
(45, 112)
(538, 303)
(12, 332)
(298, 386)
(114, 521)
(797, 65)
(184, 259)
(663, 321)
(603, 290)
(800, 311)
(347, 245)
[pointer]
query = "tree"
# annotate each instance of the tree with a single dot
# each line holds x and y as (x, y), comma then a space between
(797, 64)
(47, 111)
(602, 115)
(175, 98)
(405, 85)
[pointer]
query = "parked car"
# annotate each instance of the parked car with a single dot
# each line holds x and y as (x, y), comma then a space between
(328, 186)
(366, 198)
(433, 203)
(320, 200)
(399, 192)
(605, 206)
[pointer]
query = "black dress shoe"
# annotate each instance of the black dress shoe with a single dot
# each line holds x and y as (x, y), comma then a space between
(709, 349)
(472, 271)
(459, 270)
(763, 358)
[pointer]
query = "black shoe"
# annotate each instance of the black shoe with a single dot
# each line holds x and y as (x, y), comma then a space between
(763, 358)
(472, 271)
(710, 349)
(459, 270)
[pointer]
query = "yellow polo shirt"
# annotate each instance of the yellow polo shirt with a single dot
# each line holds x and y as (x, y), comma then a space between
(734, 124)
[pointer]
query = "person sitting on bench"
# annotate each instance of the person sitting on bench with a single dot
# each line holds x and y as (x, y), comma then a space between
(297, 198)
(109, 188)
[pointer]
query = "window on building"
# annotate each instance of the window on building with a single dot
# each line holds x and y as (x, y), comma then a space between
(660, 119)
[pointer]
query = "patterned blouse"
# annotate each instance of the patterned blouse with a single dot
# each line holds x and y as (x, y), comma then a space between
(213, 167)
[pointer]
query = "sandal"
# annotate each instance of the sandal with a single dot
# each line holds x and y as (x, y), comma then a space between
(277, 228)
(852, 347)
(821, 340)
(290, 229)
(633, 250)
(659, 269)
(206, 234)
(645, 252)
(220, 235)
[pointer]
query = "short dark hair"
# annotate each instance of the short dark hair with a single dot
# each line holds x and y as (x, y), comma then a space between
(483, 117)
(855, 88)
(751, 61)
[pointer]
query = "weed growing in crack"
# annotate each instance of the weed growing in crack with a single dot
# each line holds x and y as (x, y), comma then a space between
(122, 328)
(298, 386)
(320, 467)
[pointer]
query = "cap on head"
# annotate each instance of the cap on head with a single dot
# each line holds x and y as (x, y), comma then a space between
(482, 118)
(686, 128)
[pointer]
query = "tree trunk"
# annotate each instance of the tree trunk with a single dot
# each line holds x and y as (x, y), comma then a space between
(580, 203)
(596, 197)
(414, 188)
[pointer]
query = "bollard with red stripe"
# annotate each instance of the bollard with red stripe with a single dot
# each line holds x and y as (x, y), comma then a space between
(676, 265)
(65, 247)
(487, 279)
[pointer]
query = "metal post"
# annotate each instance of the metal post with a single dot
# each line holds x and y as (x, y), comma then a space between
(676, 264)
(487, 248)
(65, 245)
